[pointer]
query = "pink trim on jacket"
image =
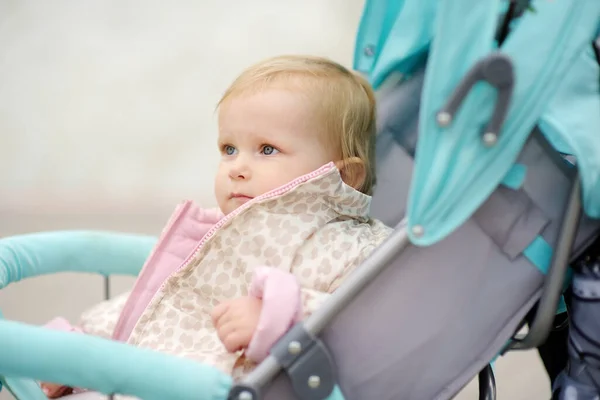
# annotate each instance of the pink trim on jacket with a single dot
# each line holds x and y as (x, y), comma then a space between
(187, 227)
(186, 232)
(281, 308)
(157, 271)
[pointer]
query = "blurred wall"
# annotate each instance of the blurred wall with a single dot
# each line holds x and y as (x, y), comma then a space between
(107, 112)
(109, 105)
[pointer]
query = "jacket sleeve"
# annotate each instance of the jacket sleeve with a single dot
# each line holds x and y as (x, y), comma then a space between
(281, 308)
(99, 320)
(312, 299)
(285, 302)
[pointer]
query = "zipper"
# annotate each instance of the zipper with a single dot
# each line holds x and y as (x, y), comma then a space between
(269, 195)
(184, 207)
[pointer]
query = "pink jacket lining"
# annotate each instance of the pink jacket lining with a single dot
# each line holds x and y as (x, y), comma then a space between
(181, 240)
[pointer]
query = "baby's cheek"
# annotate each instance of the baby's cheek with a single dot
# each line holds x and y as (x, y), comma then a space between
(280, 175)
(221, 193)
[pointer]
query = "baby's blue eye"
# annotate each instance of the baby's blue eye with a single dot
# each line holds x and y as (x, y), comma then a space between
(229, 150)
(269, 150)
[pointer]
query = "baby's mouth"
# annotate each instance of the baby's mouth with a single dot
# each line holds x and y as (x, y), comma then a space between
(240, 196)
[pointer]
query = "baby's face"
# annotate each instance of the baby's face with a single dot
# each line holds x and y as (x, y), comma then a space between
(266, 140)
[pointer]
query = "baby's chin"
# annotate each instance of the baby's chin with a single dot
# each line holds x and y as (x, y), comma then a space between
(234, 204)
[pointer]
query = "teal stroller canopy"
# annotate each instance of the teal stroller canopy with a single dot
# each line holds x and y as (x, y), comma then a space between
(480, 102)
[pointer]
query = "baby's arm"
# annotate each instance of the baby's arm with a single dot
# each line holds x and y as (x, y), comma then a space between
(99, 320)
(281, 308)
(284, 302)
(311, 300)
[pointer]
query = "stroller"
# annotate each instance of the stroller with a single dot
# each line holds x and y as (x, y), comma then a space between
(494, 191)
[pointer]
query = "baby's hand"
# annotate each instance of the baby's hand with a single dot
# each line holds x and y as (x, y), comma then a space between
(236, 320)
(54, 391)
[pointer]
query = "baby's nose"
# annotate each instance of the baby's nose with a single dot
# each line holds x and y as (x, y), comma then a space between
(239, 173)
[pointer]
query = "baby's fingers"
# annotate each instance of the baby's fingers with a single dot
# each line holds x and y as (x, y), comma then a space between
(218, 312)
(235, 340)
(54, 391)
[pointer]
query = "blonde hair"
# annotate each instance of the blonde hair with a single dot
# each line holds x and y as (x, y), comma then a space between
(345, 99)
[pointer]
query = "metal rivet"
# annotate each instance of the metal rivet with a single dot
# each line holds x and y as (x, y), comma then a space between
(444, 118)
(314, 381)
(369, 50)
(490, 139)
(418, 230)
(294, 347)
(245, 395)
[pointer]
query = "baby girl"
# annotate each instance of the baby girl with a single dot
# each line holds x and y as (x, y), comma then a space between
(296, 137)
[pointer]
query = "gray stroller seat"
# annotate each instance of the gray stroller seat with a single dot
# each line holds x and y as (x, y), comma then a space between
(436, 316)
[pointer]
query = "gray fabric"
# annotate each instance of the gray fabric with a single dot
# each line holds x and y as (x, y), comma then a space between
(438, 315)
(397, 114)
(581, 379)
(445, 311)
(573, 390)
(396, 143)
(393, 181)
(515, 222)
(587, 288)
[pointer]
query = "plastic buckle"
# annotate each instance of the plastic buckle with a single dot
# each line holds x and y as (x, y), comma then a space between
(497, 70)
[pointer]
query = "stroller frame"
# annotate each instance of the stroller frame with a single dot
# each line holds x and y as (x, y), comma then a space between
(308, 364)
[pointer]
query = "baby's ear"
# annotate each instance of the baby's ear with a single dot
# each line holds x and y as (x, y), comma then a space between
(353, 171)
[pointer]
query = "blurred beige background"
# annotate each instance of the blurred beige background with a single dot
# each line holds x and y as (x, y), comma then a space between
(107, 121)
